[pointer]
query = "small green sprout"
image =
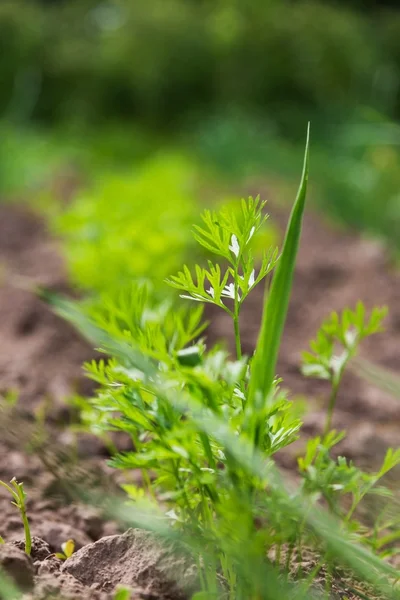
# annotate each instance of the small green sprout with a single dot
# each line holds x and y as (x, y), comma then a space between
(122, 593)
(17, 492)
(336, 344)
(10, 398)
(68, 548)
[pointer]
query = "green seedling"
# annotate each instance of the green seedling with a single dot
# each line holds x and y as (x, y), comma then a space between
(122, 593)
(68, 548)
(17, 492)
(337, 342)
(333, 479)
(10, 398)
(229, 236)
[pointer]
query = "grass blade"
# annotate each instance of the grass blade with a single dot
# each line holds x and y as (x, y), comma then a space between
(277, 302)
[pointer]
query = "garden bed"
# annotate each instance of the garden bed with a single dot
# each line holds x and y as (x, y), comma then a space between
(42, 357)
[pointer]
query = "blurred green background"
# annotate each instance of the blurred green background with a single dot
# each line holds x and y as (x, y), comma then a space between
(97, 88)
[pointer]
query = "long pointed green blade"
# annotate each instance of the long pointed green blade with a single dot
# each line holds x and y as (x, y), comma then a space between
(277, 302)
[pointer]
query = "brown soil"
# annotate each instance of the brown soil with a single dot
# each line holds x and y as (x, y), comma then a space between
(41, 356)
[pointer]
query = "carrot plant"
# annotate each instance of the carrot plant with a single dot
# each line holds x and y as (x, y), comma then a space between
(337, 342)
(18, 495)
(206, 426)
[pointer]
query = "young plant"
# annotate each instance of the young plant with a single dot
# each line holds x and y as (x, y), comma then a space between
(122, 593)
(337, 342)
(229, 236)
(334, 479)
(18, 494)
(67, 550)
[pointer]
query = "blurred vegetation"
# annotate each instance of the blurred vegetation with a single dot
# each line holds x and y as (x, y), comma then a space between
(104, 84)
(130, 228)
(162, 61)
(133, 228)
(355, 165)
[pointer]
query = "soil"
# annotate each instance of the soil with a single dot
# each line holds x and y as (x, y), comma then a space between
(41, 357)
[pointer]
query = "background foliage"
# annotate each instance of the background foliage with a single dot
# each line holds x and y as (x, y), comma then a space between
(164, 61)
(104, 84)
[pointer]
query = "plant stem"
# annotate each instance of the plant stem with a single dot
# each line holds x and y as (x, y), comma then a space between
(236, 314)
(359, 498)
(18, 495)
(336, 379)
(237, 337)
(331, 407)
(8, 488)
(147, 482)
(22, 508)
(27, 529)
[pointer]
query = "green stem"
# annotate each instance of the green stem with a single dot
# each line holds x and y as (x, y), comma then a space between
(236, 314)
(27, 529)
(205, 509)
(175, 469)
(147, 482)
(331, 407)
(237, 337)
(19, 501)
(19, 490)
(336, 379)
(358, 500)
(9, 489)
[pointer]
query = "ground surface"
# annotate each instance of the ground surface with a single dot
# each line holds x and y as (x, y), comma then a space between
(42, 356)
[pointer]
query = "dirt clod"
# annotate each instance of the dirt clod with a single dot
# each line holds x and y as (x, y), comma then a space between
(17, 565)
(56, 534)
(40, 548)
(65, 586)
(133, 559)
